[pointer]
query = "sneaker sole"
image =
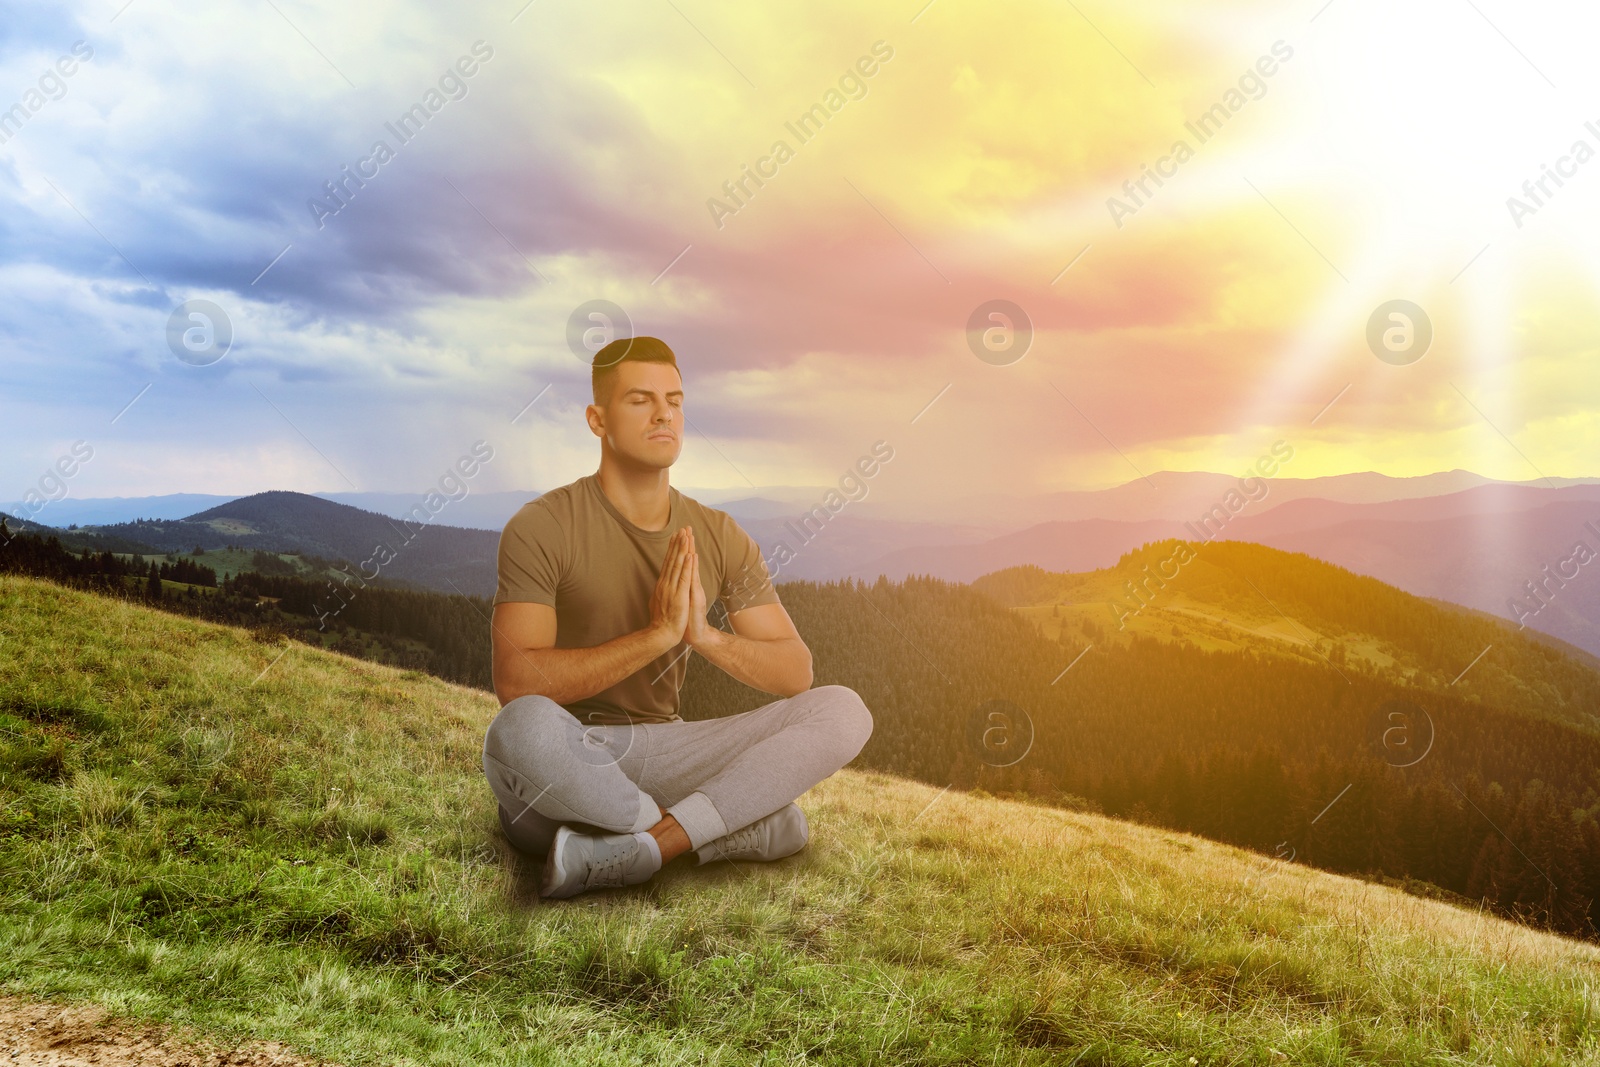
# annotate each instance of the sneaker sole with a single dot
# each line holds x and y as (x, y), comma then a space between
(554, 873)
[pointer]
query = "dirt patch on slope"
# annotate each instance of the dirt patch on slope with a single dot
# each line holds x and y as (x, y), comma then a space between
(52, 1035)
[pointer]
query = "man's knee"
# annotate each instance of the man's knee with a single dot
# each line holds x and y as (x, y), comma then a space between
(524, 728)
(848, 714)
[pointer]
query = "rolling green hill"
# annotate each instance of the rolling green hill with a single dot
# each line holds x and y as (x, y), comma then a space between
(1473, 789)
(279, 842)
(426, 553)
(1233, 596)
(1493, 796)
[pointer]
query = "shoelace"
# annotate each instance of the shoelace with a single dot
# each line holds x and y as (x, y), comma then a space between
(743, 840)
(610, 871)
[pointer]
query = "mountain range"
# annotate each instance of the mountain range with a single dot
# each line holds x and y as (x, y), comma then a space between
(1453, 536)
(427, 555)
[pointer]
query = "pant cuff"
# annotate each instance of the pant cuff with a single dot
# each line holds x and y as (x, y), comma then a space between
(650, 813)
(699, 818)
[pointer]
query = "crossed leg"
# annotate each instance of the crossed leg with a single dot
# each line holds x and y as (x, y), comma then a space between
(711, 777)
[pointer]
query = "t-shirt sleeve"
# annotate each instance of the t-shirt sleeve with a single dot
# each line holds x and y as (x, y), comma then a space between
(532, 558)
(746, 582)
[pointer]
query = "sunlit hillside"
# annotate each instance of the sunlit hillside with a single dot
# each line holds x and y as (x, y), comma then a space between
(1230, 596)
(273, 841)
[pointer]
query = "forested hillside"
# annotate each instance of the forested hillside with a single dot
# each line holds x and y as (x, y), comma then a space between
(422, 549)
(271, 842)
(1287, 757)
(1286, 748)
(1237, 596)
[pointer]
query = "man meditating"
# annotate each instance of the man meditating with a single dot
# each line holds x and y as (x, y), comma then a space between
(602, 597)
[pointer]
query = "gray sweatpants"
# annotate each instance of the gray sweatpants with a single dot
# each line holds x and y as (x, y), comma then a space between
(715, 775)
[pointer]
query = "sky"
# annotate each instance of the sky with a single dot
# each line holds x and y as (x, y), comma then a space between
(1317, 161)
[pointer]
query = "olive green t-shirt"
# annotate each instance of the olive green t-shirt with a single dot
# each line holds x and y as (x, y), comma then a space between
(572, 549)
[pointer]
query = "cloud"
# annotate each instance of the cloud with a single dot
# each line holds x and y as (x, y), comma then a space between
(575, 163)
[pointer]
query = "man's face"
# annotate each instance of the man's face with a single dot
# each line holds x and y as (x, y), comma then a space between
(643, 420)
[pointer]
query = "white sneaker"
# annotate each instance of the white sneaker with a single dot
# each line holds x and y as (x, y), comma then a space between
(772, 837)
(579, 862)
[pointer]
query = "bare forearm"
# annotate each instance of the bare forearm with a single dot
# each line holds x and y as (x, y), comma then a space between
(566, 675)
(781, 667)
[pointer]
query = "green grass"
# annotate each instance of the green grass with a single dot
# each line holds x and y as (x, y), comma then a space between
(310, 855)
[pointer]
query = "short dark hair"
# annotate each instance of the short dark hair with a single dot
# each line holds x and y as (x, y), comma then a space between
(626, 350)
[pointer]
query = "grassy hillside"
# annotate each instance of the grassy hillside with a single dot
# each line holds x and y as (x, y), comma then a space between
(229, 561)
(1239, 597)
(279, 842)
(1273, 753)
(424, 550)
